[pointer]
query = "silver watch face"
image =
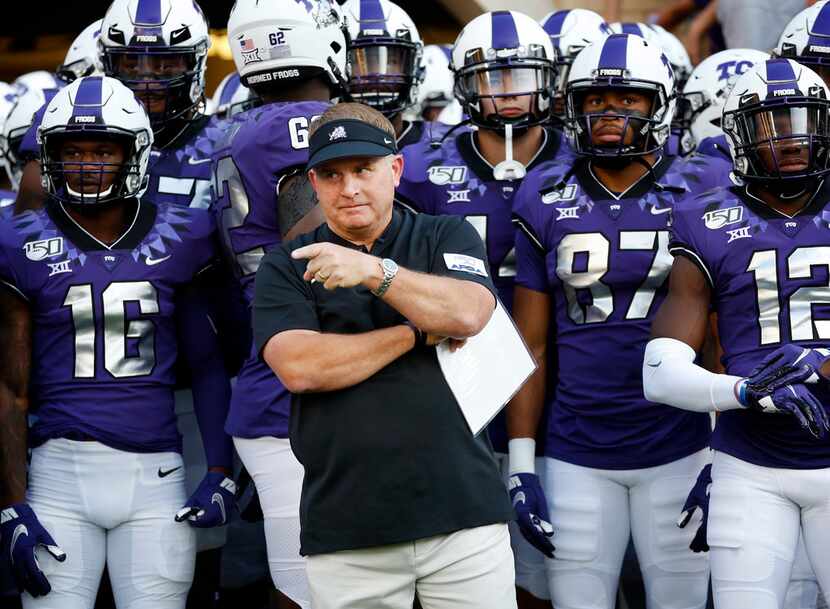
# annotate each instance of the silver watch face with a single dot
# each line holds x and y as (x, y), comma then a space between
(390, 267)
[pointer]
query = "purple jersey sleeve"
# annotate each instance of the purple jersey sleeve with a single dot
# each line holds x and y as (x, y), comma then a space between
(531, 271)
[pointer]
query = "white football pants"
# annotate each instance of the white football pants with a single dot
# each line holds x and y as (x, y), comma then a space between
(278, 477)
(531, 572)
(468, 569)
(755, 514)
(103, 505)
(593, 513)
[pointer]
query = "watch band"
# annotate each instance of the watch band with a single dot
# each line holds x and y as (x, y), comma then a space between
(390, 269)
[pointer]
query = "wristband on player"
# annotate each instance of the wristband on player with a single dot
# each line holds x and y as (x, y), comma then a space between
(522, 456)
(420, 335)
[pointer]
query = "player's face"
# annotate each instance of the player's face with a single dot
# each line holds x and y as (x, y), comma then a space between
(132, 67)
(356, 194)
(91, 166)
(777, 150)
(505, 92)
(611, 130)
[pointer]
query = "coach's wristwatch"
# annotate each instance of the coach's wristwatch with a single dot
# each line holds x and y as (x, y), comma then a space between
(390, 269)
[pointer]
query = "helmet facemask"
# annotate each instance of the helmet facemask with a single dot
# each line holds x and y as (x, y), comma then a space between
(83, 182)
(627, 132)
(781, 143)
(168, 81)
(514, 91)
(385, 72)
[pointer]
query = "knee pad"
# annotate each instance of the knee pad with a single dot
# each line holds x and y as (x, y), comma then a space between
(576, 515)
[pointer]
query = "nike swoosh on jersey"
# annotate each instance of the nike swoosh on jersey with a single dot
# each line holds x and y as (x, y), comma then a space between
(656, 211)
(657, 365)
(217, 499)
(191, 161)
(154, 261)
(162, 473)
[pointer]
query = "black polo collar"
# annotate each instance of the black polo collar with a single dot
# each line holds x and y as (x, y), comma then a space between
(386, 238)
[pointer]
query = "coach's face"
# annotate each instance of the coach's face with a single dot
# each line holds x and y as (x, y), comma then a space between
(356, 193)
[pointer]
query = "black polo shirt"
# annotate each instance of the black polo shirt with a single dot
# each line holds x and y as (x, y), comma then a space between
(390, 459)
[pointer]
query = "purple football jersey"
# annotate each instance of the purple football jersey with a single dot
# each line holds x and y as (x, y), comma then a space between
(104, 334)
(454, 179)
(604, 260)
(716, 147)
(180, 172)
(769, 279)
(260, 147)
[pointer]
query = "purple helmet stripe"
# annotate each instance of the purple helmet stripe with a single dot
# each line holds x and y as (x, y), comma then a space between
(86, 108)
(371, 15)
(614, 52)
(632, 28)
(504, 33)
(553, 25)
(819, 39)
(231, 87)
(447, 50)
(821, 26)
(780, 77)
(148, 12)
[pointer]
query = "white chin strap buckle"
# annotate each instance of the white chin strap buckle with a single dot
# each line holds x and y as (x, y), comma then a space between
(509, 169)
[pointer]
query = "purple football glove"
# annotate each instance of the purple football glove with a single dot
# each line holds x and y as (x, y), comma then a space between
(698, 499)
(20, 535)
(794, 400)
(531, 511)
(210, 503)
(790, 364)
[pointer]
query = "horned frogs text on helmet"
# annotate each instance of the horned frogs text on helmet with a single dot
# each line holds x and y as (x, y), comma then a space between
(17, 122)
(806, 39)
(621, 61)
(158, 48)
(280, 43)
(777, 123)
(96, 107)
(504, 70)
(82, 58)
(232, 97)
(700, 105)
(571, 31)
(385, 55)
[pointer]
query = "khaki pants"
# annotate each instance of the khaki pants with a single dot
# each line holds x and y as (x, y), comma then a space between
(468, 569)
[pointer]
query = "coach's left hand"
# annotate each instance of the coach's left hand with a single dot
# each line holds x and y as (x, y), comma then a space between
(336, 266)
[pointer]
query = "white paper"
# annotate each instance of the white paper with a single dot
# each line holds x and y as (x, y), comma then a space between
(488, 370)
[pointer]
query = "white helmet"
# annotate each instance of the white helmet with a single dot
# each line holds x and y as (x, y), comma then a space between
(17, 123)
(39, 79)
(677, 54)
(621, 61)
(158, 48)
(385, 54)
(8, 97)
(436, 92)
(570, 31)
(700, 105)
(96, 106)
(806, 39)
(276, 43)
(82, 58)
(775, 105)
(232, 97)
(504, 54)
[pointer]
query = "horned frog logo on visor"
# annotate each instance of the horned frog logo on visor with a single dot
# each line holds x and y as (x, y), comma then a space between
(338, 133)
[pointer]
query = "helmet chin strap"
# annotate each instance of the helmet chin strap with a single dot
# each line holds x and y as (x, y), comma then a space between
(79, 195)
(509, 168)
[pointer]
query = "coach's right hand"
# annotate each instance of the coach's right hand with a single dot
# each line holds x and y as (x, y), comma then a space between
(20, 535)
(528, 498)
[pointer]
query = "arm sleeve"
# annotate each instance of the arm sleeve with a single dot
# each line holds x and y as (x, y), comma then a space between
(199, 344)
(282, 300)
(460, 253)
(670, 376)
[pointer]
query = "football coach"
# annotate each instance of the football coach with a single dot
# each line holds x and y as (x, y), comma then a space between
(398, 495)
